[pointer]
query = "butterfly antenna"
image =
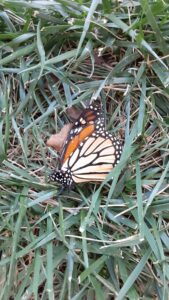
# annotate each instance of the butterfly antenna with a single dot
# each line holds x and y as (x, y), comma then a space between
(60, 191)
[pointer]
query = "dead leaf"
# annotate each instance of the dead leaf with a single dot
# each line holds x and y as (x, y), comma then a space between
(57, 140)
(73, 112)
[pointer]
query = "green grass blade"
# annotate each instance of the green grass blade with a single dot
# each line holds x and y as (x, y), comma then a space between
(49, 272)
(11, 273)
(133, 276)
(40, 49)
(91, 11)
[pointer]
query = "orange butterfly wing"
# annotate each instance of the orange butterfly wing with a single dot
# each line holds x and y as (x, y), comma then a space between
(82, 128)
(76, 140)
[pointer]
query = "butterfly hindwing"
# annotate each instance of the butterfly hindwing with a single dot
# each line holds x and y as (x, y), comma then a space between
(94, 159)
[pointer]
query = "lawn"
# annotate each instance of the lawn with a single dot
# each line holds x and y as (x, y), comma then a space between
(95, 241)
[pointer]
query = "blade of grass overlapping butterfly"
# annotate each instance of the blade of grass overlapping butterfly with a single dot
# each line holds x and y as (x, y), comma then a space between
(127, 151)
(134, 239)
(140, 115)
(120, 185)
(91, 207)
(139, 131)
(94, 206)
(139, 217)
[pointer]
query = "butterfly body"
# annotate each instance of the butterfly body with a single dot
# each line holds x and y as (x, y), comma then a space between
(90, 152)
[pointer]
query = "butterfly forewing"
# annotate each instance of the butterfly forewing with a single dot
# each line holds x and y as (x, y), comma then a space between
(89, 119)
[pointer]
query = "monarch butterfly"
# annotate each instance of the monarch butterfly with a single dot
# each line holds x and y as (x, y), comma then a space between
(90, 152)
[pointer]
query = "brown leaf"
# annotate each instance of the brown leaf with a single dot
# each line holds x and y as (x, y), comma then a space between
(57, 140)
(73, 112)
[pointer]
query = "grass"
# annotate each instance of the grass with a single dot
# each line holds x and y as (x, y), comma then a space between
(107, 241)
